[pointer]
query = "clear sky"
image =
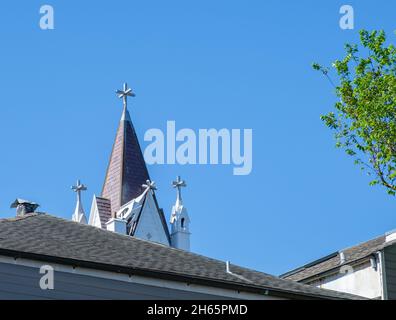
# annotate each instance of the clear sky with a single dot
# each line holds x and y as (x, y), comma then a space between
(204, 64)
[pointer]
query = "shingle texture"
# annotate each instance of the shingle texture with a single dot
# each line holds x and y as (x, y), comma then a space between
(104, 210)
(46, 237)
(334, 261)
(127, 169)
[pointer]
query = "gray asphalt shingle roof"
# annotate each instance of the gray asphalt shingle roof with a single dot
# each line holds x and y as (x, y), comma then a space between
(333, 261)
(45, 237)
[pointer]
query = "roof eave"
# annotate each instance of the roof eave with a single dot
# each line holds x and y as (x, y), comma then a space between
(169, 276)
(333, 270)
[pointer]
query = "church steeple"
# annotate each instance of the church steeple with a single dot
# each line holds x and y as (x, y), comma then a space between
(79, 214)
(127, 169)
(180, 221)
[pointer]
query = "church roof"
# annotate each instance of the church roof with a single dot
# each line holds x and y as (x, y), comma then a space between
(127, 169)
(333, 261)
(47, 238)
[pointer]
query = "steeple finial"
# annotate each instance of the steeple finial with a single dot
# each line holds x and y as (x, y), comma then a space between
(124, 94)
(79, 214)
(179, 184)
(149, 185)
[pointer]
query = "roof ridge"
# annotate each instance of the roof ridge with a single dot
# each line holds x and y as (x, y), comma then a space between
(25, 216)
(127, 237)
(329, 256)
(331, 262)
(361, 243)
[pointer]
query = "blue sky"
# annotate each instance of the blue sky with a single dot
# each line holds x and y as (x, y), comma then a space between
(204, 64)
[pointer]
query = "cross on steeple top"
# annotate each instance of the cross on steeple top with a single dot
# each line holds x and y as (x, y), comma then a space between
(79, 187)
(124, 94)
(179, 184)
(149, 185)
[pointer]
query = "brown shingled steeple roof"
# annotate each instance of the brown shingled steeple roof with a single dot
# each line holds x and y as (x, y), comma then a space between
(127, 169)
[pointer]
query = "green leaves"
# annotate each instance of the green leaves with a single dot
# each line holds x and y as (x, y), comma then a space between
(365, 117)
(373, 182)
(330, 120)
(316, 66)
(350, 152)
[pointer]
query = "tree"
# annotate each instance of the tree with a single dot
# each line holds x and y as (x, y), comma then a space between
(364, 119)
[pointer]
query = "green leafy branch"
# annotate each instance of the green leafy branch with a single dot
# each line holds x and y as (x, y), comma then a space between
(364, 119)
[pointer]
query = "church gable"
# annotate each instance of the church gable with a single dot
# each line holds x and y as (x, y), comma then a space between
(149, 224)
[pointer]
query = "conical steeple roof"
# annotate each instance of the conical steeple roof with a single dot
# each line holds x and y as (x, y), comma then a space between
(127, 169)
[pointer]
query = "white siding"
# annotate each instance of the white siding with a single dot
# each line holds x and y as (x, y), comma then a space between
(364, 281)
(150, 226)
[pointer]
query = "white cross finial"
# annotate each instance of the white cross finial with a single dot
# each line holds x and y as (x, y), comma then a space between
(78, 188)
(149, 185)
(179, 184)
(79, 215)
(124, 94)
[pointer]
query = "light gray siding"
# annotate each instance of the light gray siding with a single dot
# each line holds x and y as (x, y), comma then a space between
(22, 282)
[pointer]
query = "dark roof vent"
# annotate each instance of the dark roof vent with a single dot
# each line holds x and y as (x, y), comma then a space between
(24, 207)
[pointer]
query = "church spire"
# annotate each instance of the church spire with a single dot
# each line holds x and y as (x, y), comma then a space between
(178, 184)
(79, 214)
(180, 221)
(127, 169)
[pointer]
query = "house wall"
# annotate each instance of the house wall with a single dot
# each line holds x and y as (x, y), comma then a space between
(390, 271)
(20, 279)
(362, 280)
